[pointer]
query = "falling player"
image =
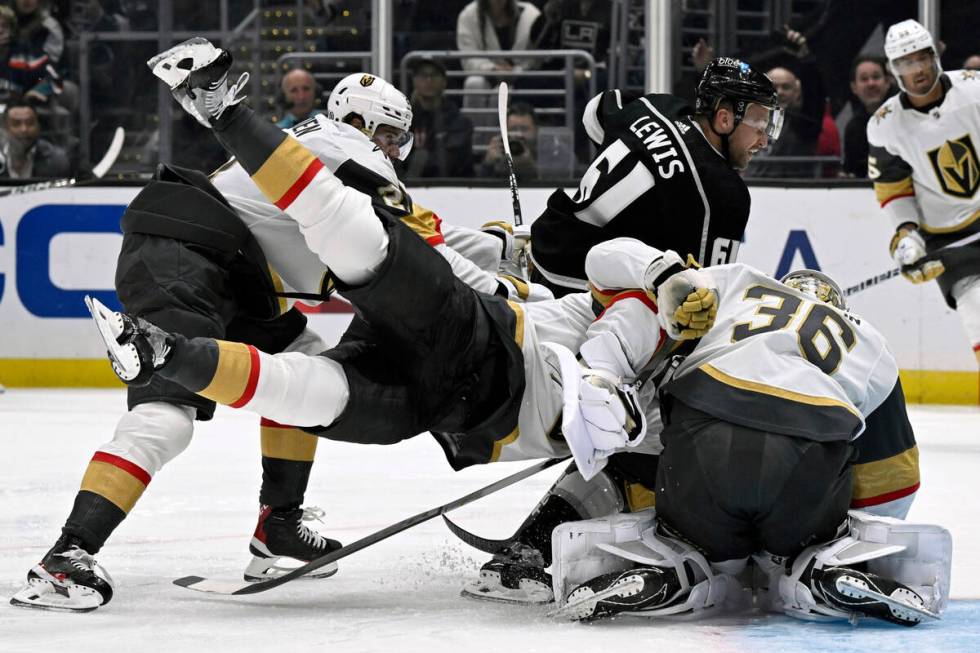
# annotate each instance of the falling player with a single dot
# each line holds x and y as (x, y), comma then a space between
(179, 267)
(926, 172)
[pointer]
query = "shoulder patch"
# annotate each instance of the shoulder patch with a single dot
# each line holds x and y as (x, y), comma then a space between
(967, 75)
(881, 113)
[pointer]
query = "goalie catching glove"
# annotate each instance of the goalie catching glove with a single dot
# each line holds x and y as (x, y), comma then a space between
(686, 300)
(908, 249)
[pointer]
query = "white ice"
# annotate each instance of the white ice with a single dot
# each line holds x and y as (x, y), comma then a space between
(399, 595)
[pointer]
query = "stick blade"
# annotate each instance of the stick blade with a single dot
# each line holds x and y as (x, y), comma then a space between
(477, 542)
(213, 585)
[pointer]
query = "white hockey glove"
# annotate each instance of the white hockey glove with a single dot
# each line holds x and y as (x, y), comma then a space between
(524, 291)
(600, 414)
(687, 300)
(908, 249)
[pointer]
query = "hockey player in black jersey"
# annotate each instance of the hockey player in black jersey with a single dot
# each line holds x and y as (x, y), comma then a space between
(665, 175)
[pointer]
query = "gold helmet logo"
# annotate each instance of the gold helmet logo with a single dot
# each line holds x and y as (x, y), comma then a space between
(956, 166)
(367, 80)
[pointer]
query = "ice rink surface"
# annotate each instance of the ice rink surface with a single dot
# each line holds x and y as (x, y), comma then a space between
(402, 594)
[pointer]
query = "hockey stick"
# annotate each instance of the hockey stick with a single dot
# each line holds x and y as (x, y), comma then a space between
(480, 543)
(102, 167)
(894, 272)
(502, 95)
(235, 588)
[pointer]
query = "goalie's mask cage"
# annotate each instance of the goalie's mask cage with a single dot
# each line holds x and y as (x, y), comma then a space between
(817, 285)
(733, 80)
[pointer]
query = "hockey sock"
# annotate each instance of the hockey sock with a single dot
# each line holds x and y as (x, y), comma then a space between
(287, 458)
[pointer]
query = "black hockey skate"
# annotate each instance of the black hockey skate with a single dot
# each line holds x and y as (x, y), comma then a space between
(870, 595)
(515, 575)
(135, 347)
(282, 534)
(633, 591)
(67, 579)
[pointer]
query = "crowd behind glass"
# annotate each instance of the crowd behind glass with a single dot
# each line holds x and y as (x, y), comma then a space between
(72, 70)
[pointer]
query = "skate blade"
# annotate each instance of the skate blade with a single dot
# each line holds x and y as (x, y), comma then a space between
(259, 570)
(101, 315)
(43, 595)
(575, 609)
(480, 591)
(899, 608)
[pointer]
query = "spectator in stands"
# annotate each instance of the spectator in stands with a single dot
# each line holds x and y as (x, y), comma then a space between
(299, 93)
(801, 95)
(522, 131)
(39, 43)
(443, 136)
(493, 25)
(972, 62)
(25, 155)
(574, 24)
(871, 85)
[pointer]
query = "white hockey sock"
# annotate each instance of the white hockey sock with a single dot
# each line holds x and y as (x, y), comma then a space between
(298, 389)
(152, 434)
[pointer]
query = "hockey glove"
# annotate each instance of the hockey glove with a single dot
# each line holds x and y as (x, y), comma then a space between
(686, 299)
(908, 249)
(610, 411)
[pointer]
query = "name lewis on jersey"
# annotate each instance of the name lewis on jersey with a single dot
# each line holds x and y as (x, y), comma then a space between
(656, 139)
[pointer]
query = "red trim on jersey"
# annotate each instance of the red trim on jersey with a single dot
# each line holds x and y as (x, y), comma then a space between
(300, 184)
(884, 498)
(253, 378)
(130, 468)
(632, 294)
(437, 227)
(895, 197)
(976, 347)
(265, 421)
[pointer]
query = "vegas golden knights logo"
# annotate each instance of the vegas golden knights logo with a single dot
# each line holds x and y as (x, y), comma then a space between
(957, 167)
(367, 80)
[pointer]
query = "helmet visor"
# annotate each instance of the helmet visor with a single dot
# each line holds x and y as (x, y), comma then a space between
(771, 127)
(916, 62)
(391, 137)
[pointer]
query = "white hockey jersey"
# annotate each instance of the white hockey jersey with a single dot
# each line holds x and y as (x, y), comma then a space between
(781, 361)
(924, 164)
(358, 163)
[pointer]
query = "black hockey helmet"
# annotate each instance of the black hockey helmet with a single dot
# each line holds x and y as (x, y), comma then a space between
(737, 82)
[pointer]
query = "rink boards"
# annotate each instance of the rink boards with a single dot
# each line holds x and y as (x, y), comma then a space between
(58, 245)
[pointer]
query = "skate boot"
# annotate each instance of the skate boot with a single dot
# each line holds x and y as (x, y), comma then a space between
(863, 593)
(135, 347)
(67, 579)
(197, 74)
(633, 591)
(515, 575)
(281, 536)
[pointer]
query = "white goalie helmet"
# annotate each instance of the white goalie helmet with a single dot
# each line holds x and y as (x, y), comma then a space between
(903, 39)
(377, 102)
(817, 285)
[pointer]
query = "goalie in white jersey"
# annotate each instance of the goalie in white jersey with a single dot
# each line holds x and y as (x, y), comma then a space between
(926, 171)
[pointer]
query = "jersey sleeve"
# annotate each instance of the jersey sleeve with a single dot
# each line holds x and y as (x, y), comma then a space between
(600, 110)
(892, 176)
(627, 325)
(886, 470)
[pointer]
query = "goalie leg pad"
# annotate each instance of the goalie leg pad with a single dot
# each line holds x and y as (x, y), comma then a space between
(917, 557)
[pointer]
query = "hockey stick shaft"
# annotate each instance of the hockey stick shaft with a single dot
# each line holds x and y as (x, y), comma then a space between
(502, 100)
(98, 171)
(219, 587)
(894, 272)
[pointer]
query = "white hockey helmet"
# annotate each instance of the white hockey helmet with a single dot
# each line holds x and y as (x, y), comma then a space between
(377, 102)
(903, 39)
(817, 285)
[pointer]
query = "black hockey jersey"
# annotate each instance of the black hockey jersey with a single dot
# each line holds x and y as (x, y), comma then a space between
(656, 179)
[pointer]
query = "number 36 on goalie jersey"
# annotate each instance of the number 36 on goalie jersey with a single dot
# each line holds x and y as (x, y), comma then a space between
(779, 359)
